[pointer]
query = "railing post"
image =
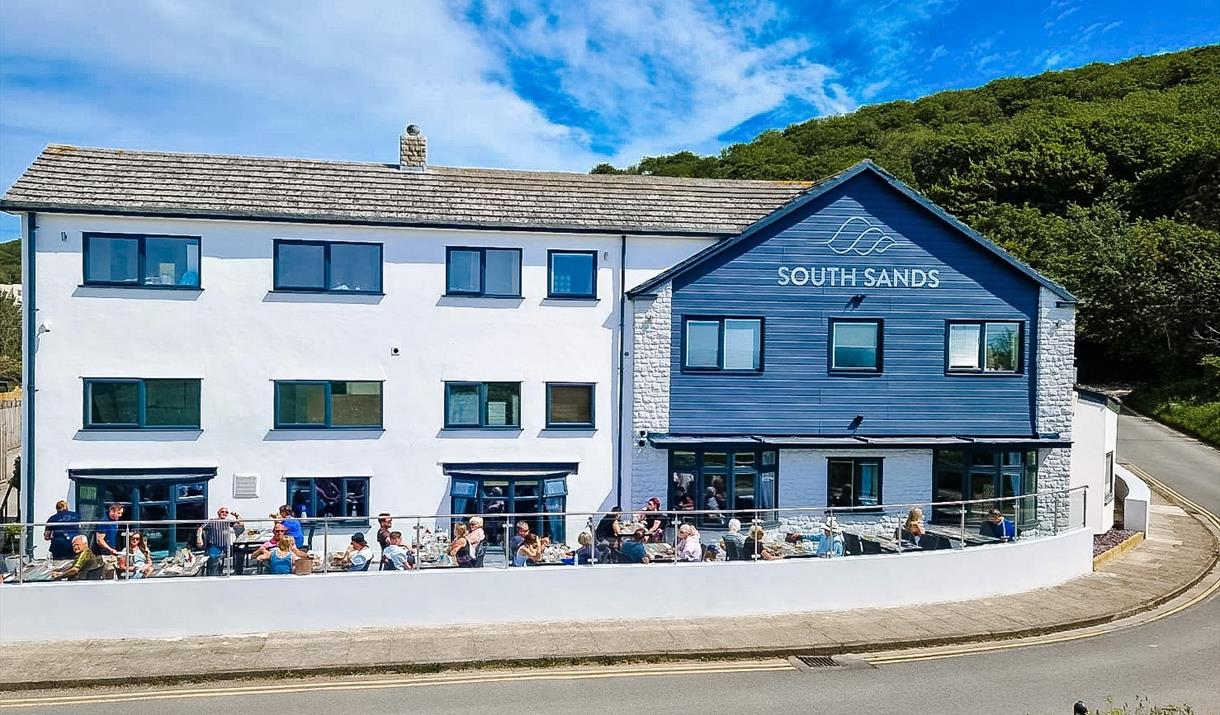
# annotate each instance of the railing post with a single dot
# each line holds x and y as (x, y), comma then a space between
(1084, 506)
(127, 553)
(757, 541)
(592, 544)
(326, 546)
(508, 554)
(418, 555)
(1055, 519)
(961, 510)
(21, 557)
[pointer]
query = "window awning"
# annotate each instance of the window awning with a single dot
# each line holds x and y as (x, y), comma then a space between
(672, 441)
(142, 474)
(510, 470)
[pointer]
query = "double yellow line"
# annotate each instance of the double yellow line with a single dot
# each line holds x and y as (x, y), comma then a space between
(1199, 511)
(458, 678)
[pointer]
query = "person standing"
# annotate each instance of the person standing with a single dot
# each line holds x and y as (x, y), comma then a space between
(217, 537)
(292, 526)
(65, 529)
(384, 525)
(106, 536)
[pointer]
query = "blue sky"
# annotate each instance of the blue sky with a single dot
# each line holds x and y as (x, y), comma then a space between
(518, 83)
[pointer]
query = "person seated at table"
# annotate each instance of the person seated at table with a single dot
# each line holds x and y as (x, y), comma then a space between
(998, 527)
(139, 561)
(358, 554)
(831, 542)
(913, 529)
(753, 548)
(733, 536)
(689, 548)
(85, 562)
(584, 554)
(609, 531)
(396, 556)
(292, 525)
(654, 521)
(530, 551)
(633, 551)
(514, 541)
(63, 532)
(277, 532)
(279, 559)
(711, 552)
(474, 532)
(460, 548)
(793, 537)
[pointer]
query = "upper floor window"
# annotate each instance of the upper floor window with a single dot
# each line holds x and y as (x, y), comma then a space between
(853, 482)
(571, 274)
(984, 346)
(723, 344)
(489, 272)
(328, 266)
(132, 403)
(569, 405)
(482, 404)
(855, 345)
(320, 404)
(141, 260)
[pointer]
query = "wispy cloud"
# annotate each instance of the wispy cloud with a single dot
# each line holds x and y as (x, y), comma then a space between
(937, 53)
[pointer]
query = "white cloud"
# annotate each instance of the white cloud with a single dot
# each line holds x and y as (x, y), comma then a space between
(937, 53)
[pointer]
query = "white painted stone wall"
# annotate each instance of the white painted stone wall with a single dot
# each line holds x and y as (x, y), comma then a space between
(1094, 433)
(652, 341)
(1055, 363)
(406, 599)
(906, 478)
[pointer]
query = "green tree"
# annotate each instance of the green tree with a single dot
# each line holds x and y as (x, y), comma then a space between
(10, 339)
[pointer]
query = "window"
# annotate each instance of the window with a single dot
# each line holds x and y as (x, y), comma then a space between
(983, 346)
(855, 345)
(319, 404)
(985, 473)
(543, 498)
(743, 484)
(569, 405)
(853, 482)
(488, 272)
(140, 260)
(148, 498)
(334, 497)
(571, 274)
(723, 344)
(328, 266)
(482, 404)
(1109, 477)
(130, 403)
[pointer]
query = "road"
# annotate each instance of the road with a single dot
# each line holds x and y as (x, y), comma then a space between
(1173, 660)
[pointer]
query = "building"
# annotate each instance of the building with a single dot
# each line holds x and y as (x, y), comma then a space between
(353, 338)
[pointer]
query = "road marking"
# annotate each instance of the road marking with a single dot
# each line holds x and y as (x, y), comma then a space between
(417, 681)
(1183, 500)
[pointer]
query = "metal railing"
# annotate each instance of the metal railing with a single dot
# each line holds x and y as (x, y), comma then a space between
(766, 533)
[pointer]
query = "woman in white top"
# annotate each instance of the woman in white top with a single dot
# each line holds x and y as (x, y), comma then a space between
(689, 548)
(139, 561)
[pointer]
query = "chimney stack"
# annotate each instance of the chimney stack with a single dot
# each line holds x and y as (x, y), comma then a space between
(412, 149)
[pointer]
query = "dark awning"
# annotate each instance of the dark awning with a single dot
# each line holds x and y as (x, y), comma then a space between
(145, 474)
(673, 441)
(510, 470)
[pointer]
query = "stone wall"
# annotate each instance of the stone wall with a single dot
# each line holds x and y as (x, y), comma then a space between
(651, 357)
(1055, 363)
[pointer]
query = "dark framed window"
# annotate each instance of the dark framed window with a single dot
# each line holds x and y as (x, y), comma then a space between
(978, 346)
(853, 481)
(134, 403)
(571, 274)
(545, 498)
(149, 500)
(328, 266)
(486, 272)
(1109, 477)
(569, 405)
(147, 261)
(722, 344)
(328, 404)
(741, 483)
(487, 405)
(985, 473)
(856, 345)
(331, 497)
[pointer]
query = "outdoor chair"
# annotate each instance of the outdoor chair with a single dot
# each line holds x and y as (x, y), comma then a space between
(732, 551)
(94, 574)
(870, 546)
(479, 552)
(852, 544)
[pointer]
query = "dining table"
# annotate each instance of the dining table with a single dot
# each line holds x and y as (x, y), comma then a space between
(37, 570)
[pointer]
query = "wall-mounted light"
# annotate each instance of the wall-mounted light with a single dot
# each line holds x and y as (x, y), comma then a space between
(856, 421)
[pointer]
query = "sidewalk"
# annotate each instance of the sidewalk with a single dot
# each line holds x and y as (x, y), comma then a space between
(1178, 552)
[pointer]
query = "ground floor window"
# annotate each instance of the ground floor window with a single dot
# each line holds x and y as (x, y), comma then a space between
(853, 481)
(497, 497)
(148, 500)
(335, 497)
(984, 473)
(740, 484)
(1109, 477)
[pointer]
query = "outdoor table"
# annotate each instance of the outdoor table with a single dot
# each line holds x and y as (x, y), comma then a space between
(173, 567)
(800, 550)
(659, 552)
(955, 534)
(38, 570)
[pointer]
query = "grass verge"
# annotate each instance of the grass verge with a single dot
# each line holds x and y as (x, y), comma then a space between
(1188, 405)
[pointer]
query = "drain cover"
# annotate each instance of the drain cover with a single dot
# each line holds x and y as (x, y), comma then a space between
(818, 661)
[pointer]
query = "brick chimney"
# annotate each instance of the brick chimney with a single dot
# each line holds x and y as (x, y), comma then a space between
(412, 149)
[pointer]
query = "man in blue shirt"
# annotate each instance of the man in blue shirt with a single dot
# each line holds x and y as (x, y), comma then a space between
(292, 525)
(63, 532)
(106, 537)
(998, 527)
(633, 551)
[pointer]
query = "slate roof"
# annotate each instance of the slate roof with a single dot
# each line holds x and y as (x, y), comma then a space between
(87, 180)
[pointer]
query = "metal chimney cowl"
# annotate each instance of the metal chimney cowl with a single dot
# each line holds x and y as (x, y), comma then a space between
(412, 149)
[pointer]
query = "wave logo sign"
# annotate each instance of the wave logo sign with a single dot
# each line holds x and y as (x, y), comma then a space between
(858, 236)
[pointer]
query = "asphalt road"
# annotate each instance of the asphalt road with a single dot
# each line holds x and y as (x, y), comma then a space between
(1172, 661)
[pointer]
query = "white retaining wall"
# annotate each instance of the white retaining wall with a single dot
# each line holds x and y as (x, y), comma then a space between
(159, 608)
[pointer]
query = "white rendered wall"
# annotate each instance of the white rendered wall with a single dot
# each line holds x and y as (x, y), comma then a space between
(1094, 433)
(404, 599)
(239, 337)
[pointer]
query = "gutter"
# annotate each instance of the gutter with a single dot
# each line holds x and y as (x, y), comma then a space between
(622, 344)
(28, 388)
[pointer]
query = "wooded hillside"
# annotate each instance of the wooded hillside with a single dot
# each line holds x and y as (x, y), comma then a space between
(1106, 178)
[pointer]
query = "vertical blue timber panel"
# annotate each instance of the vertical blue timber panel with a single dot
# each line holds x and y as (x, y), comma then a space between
(862, 224)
